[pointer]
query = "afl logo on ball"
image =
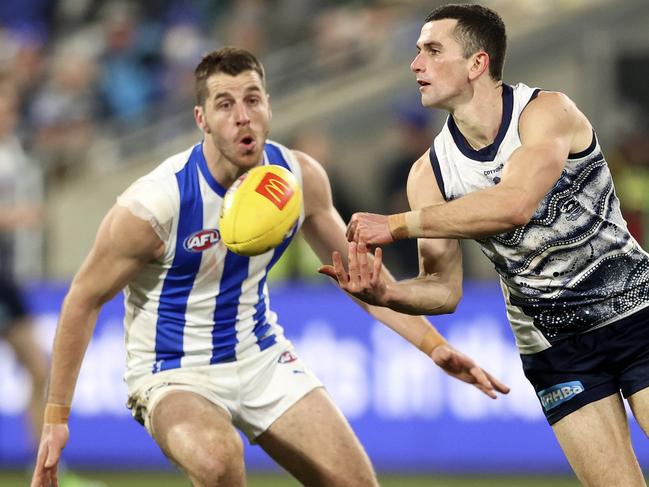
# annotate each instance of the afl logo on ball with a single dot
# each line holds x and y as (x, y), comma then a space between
(202, 240)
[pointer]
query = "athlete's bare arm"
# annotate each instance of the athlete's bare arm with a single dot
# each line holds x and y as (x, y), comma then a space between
(324, 230)
(438, 287)
(550, 128)
(124, 244)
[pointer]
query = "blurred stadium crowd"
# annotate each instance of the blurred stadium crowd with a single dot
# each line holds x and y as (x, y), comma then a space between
(79, 77)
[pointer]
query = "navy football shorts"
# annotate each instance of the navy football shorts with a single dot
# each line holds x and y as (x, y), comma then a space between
(584, 368)
(12, 307)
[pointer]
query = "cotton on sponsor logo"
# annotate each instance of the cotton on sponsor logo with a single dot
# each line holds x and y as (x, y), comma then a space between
(202, 240)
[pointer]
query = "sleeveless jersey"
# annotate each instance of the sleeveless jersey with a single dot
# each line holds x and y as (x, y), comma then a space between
(200, 303)
(574, 267)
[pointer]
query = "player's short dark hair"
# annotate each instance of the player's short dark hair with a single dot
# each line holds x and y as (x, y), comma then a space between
(478, 28)
(228, 60)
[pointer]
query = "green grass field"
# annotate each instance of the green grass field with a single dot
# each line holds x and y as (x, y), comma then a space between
(171, 479)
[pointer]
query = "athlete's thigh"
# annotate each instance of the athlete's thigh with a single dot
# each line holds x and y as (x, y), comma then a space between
(639, 403)
(596, 441)
(198, 436)
(314, 442)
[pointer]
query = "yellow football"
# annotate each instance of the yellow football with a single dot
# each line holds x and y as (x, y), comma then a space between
(260, 209)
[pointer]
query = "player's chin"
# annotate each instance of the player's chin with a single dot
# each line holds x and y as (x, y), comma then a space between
(249, 159)
(430, 101)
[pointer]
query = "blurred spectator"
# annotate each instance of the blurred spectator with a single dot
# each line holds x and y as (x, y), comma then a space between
(245, 26)
(17, 214)
(63, 113)
(130, 65)
(21, 220)
(183, 45)
(22, 60)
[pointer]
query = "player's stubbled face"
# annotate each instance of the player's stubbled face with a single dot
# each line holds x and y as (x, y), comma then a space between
(440, 66)
(237, 113)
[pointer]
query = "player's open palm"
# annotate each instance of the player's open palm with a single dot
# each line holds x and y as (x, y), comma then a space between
(458, 365)
(53, 440)
(363, 280)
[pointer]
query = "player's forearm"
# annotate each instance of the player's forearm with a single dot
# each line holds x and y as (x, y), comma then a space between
(414, 329)
(475, 215)
(423, 296)
(73, 333)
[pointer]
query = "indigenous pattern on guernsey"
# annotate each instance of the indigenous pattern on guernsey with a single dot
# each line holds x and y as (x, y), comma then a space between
(574, 267)
(200, 304)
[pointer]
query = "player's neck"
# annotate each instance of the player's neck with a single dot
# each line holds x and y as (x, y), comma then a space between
(479, 119)
(219, 166)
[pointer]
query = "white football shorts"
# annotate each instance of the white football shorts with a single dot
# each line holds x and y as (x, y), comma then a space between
(254, 391)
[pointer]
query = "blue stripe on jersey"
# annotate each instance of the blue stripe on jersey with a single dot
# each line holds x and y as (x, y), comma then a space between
(180, 278)
(437, 171)
(275, 156)
(235, 272)
(224, 334)
(261, 327)
(202, 164)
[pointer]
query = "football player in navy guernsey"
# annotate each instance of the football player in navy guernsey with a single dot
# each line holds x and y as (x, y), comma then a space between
(205, 353)
(521, 171)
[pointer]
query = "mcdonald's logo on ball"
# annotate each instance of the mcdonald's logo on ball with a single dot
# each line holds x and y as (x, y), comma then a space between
(276, 189)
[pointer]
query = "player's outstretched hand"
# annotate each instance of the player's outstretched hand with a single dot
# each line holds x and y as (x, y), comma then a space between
(53, 440)
(370, 228)
(363, 281)
(458, 365)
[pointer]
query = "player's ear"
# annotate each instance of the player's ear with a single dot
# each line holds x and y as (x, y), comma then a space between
(270, 109)
(199, 116)
(479, 64)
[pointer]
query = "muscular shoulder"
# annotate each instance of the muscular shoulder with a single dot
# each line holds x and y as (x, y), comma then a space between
(552, 112)
(317, 190)
(154, 198)
(130, 235)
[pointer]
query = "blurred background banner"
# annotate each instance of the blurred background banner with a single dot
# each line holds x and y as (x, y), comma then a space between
(408, 414)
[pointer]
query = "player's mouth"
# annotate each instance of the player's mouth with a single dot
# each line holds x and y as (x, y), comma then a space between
(422, 84)
(247, 142)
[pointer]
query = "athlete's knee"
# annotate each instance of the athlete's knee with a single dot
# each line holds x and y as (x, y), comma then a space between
(218, 464)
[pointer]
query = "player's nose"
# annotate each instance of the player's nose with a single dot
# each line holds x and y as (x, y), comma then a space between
(242, 116)
(415, 65)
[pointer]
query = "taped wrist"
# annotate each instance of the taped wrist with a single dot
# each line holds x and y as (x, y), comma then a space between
(405, 225)
(56, 414)
(431, 340)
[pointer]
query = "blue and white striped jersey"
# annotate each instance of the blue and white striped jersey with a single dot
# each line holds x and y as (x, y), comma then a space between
(574, 267)
(199, 304)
